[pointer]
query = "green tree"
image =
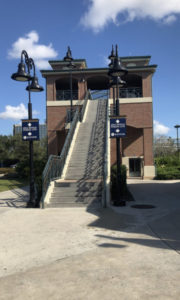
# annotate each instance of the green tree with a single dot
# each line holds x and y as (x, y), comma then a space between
(164, 146)
(7, 150)
(14, 150)
(21, 152)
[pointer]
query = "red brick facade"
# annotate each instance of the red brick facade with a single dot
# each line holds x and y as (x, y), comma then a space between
(138, 142)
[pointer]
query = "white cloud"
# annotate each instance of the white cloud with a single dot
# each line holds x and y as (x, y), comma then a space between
(169, 19)
(15, 112)
(106, 60)
(160, 129)
(101, 12)
(39, 53)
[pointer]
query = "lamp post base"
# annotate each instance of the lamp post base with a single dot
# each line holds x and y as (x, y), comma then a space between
(119, 203)
(31, 204)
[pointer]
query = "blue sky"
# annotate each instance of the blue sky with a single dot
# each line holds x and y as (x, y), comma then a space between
(45, 28)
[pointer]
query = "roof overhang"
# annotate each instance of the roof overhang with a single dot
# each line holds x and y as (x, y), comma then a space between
(103, 71)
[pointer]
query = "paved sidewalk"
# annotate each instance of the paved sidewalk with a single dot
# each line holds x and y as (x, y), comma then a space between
(14, 198)
(115, 253)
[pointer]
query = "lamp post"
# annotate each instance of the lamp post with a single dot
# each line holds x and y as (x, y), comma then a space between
(177, 127)
(68, 58)
(112, 57)
(33, 86)
(115, 72)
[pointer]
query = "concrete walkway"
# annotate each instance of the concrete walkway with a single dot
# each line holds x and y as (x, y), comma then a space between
(74, 253)
(16, 198)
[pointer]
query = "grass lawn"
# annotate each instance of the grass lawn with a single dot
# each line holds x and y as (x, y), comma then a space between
(9, 184)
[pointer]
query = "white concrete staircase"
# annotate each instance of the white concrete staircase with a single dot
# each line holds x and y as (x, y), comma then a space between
(82, 181)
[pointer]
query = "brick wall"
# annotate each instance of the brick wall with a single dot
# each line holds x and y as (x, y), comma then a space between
(56, 117)
(132, 145)
(147, 85)
(148, 147)
(51, 89)
(139, 139)
(139, 115)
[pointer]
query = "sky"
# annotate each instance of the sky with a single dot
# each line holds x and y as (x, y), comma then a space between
(90, 27)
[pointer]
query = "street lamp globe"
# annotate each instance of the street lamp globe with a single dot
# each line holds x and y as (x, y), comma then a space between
(21, 74)
(34, 86)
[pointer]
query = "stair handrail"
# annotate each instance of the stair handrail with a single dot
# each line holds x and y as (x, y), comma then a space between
(81, 114)
(99, 94)
(105, 168)
(55, 164)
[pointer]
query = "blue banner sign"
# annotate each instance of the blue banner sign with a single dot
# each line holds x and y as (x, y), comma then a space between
(117, 127)
(30, 130)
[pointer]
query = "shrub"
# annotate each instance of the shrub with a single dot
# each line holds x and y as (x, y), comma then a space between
(166, 173)
(168, 167)
(122, 183)
(171, 160)
(5, 170)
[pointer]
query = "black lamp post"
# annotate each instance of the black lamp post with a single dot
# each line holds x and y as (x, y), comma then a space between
(33, 86)
(115, 72)
(112, 82)
(68, 58)
(177, 127)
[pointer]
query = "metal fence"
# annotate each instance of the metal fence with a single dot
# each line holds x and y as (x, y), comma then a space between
(66, 95)
(130, 92)
(99, 94)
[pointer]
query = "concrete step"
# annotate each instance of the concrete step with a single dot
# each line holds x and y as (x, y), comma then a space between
(77, 199)
(70, 193)
(76, 188)
(57, 205)
(86, 163)
(75, 170)
(83, 176)
(86, 184)
(73, 204)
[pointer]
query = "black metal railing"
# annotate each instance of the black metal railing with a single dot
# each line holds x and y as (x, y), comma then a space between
(99, 94)
(130, 92)
(68, 114)
(66, 95)
(105, 168)
(82, 108)
(81, 115)
(55, 164)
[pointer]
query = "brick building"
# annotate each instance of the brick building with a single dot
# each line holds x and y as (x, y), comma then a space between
(135, 104)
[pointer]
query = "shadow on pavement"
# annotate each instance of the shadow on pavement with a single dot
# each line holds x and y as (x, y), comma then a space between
(16, 198)
(161, 224)
(145, 242)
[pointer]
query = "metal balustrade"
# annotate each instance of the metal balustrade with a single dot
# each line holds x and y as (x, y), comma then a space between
(66, 95)
(130, 92)
(88, 96)
(55, 164)
(99, 94)
(106, 184)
